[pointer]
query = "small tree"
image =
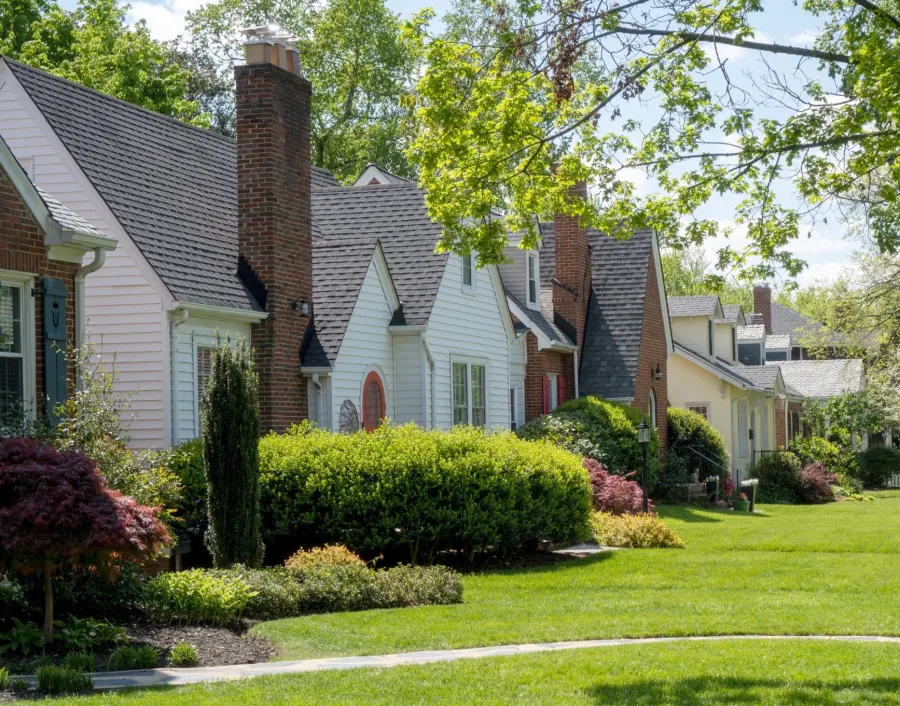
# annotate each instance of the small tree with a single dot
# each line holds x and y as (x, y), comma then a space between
(57, 510)
(231, 457)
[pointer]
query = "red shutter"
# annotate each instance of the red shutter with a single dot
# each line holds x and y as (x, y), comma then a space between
(546, 395)
(560, 389)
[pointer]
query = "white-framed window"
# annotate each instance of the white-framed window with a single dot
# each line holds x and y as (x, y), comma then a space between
(204, 369)
(532, 280)
(469, 388)
(17, 347)
(516, 403)
(701, 408)
(554, 390)
(468, 271)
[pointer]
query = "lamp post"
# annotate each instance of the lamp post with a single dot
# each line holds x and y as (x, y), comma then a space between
(643, 431)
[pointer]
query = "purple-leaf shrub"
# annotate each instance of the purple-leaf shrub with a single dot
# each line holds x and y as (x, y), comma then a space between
(617, 495)
(815, 484)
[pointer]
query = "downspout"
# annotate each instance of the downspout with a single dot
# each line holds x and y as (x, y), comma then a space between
(576, 373)
(431, 366)
(173, 374)
(80, 274)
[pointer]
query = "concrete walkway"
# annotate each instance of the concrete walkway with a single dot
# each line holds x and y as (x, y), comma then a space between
(178, 677)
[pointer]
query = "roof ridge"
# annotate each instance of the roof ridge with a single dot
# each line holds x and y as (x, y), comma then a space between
(88, 89)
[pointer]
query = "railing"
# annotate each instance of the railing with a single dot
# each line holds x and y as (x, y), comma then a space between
(894, 481)
(706, 464)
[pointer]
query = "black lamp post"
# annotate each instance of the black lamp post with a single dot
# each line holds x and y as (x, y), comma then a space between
(643, 431)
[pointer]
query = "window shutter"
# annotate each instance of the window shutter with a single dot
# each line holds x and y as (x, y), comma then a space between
(560, 390)
(55, 383)
(546, 395)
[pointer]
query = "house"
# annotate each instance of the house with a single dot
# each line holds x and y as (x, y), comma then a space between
(42, 246)
(705, 376)
(352, 315)
(592, 311)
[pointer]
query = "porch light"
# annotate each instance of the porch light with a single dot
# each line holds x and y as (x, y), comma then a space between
(658, 374)
(304, 308)
(643, 431)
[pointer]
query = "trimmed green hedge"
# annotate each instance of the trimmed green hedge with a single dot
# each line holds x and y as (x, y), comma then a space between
(877, 464)
(426, 489)
(598, 429)
(689, 430)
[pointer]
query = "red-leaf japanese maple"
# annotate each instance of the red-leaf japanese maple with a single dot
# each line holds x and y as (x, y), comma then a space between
(612, 493)
(55, 509)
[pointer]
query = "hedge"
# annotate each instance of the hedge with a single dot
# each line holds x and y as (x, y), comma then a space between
(690, 432)
(598, 429)
(425, 489)
(877, 464)
(779, 478)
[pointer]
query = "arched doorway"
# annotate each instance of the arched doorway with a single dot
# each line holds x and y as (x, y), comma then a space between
(373, 402)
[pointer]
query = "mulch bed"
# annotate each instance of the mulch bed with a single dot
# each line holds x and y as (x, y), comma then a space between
(215, 647)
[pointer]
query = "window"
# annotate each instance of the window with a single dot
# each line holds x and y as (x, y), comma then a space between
(531, 265)
(517, 404)
(794, 430)
(711, 339)
(468, 271)
(701, 408)
(512, 409)
(373, 402)
(204, 370)
(652, 409)
(469, 394)
(12, 352)
(776, 355)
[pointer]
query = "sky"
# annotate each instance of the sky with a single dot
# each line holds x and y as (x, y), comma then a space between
(826, 251)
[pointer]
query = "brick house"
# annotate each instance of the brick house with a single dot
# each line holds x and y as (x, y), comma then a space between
(593, 316)
(42, 246)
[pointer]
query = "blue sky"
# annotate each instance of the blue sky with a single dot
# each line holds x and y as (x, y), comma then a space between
(826, 251)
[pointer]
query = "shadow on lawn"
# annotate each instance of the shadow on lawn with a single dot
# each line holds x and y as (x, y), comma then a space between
(706, 691)
(687, 513)
(562, 566)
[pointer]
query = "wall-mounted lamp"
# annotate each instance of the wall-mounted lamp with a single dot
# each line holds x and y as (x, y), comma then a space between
(304, 308)
(658, 374)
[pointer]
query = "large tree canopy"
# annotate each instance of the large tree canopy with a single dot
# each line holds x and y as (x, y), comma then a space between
(645, 84)
(353, 55)
(93, 45)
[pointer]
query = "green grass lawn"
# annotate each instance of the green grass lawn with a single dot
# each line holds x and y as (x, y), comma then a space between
(831, 569)
(694, 674)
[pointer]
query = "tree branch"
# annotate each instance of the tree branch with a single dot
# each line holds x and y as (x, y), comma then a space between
(881, 12)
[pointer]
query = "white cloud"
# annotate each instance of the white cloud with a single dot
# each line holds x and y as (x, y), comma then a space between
(729, 52)
(804, 38)
(165, 19)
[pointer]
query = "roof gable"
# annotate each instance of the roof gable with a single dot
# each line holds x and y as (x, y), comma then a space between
(697, 305)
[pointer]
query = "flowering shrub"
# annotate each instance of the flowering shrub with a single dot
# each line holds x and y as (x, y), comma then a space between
(815, 484)
(614, 494)
(635, 531)
(330, 554)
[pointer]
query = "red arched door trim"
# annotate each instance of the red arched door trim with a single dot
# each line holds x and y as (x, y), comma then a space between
(372, 387)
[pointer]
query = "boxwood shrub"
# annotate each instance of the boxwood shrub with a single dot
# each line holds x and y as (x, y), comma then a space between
(690, 432)
(779, 478)
(422, 489)
(596, 428)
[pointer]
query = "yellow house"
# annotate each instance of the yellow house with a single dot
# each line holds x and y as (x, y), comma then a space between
(704, 376)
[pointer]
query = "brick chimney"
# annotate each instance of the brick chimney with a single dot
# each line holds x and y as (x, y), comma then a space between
(274, 216)
(572, 270)
(762, 304)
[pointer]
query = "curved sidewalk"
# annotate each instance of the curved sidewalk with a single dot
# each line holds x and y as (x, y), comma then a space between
(179, 677)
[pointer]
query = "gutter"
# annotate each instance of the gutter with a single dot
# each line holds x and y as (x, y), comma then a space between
(221, 311)
(80, 300)
(430, 365)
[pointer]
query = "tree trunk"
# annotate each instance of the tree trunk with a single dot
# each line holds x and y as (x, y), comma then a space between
(48, 603)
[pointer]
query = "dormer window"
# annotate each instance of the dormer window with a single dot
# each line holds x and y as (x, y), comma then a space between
(468, 271)
(531, 265)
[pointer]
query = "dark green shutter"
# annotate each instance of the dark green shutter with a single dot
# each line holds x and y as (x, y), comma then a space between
(55, 383)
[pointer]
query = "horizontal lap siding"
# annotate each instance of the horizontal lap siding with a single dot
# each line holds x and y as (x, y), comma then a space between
(409, 386)
(513, 273)
(469, 326)
(124, 314)
(366, 343)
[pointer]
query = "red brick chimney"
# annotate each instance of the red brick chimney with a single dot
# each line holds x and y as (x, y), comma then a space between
(572, 271)
(274, 216)
(762, 304)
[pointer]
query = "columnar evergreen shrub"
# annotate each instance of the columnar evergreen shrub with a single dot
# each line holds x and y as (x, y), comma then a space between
(422, 489)
(55, 509)
(596, 428)
(231, 456)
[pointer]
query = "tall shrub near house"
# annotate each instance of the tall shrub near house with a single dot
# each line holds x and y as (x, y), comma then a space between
(230, 412)
(692, 436)
(56, 510)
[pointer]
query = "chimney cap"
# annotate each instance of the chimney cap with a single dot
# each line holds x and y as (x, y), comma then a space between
(761, 285)
(267, 33)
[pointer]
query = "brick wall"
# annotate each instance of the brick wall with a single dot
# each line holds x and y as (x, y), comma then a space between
(539, 364)
(275, 228)
(572, 267)
(652, 353)
(762, 304)
(22, 250)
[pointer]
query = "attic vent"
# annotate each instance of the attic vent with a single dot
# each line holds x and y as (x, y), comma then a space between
(252, 282)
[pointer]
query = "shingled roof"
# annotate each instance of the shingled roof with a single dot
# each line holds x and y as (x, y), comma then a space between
(538, 319)
(822, 378)
(612, 338)
(173, 187)
(731, 314)
(696, 305)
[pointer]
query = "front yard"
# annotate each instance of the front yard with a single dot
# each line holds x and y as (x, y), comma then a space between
(832, 569)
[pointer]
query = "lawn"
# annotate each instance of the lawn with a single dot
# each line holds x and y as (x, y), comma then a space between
(832, 569)
(696, 674)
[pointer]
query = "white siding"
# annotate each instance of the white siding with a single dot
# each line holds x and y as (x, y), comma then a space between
(409, 389)
(193, 333)
(513, 272)
(367, 345)
(124, 314)
(469, 326)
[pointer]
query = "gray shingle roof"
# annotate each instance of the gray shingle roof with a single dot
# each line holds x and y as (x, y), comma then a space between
(69, 220)
(786, 321)
(699, 305)
(539, 320)
(388, 177)
(395, 215)
(764, 376)
(720, 365)
(339, 269)
(732, 313)
(778, 341)
(822, 378)
(754, 332)
(615, 320)
(173, 187)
